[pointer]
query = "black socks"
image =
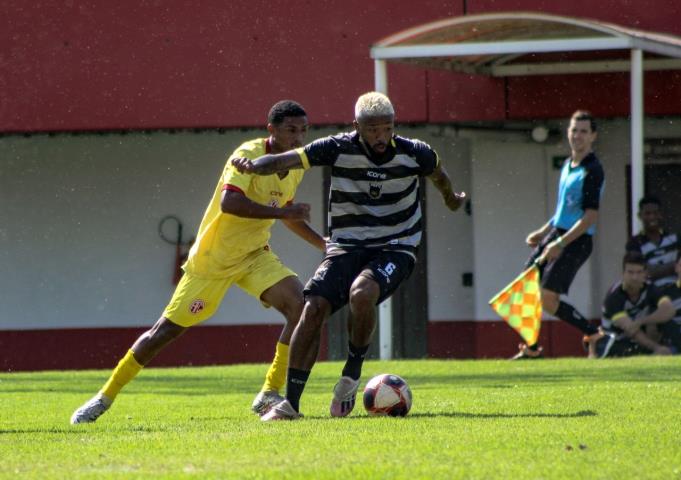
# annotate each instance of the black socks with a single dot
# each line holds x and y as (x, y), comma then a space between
(295, 384)
(569, 314)
(353, 365)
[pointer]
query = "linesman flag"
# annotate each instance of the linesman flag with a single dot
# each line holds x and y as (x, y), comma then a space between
(519, 304)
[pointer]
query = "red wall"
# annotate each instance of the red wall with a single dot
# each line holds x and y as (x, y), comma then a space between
(81, 348)
(75, 65)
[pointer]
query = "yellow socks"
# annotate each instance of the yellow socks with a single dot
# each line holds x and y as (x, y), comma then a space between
(125, 371)
(276, 375)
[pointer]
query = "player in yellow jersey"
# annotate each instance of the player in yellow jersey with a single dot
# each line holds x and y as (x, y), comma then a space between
(232, 248)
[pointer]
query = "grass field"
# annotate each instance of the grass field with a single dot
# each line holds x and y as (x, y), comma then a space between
(565, 418)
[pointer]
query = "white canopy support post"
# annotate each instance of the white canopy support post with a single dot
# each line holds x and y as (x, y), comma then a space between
(381, 76)
(385, 329)
(637, 172)
(385, 309)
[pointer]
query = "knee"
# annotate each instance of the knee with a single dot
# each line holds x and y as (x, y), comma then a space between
(163, 332)
(314, 312)
(364, 294)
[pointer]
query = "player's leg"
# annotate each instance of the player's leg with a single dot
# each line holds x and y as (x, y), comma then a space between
(194, 300)
(287, 297)
(381, 277)
(556, 278)
(325, 292)
(145, 348)
(302, 356)
(267, 279)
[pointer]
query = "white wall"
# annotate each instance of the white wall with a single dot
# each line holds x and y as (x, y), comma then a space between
(79, 214)
(78, 226)
(450, 235)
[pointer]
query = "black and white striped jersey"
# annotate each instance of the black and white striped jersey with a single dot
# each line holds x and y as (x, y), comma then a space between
(373, 200)
(618, 304)
(666, 251)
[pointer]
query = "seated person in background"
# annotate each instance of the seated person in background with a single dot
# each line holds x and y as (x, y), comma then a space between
(673, 291)
(659, 247)
(629, 305)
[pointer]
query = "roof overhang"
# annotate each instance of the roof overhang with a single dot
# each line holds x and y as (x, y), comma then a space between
(506, 44)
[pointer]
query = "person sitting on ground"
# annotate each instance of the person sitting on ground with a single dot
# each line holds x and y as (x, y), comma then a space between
(673, 291)
(629, 305)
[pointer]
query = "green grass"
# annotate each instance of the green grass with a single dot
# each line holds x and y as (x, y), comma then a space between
(566, 418)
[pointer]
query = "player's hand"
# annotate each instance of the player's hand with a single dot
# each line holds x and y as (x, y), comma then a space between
(534, 238)
(551, 252)
(243, 165)
(630, 327)
(297, 211)
(661, 350)
(455, 200)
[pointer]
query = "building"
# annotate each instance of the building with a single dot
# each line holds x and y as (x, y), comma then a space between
(114, 117)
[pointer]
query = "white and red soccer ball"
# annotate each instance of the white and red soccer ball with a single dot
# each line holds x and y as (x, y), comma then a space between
(387, 394)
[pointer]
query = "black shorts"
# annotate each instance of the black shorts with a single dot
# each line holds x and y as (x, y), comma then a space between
(557, 275)
(336, 273)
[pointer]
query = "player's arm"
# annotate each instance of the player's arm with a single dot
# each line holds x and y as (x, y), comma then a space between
(664, 312)
(632, 329)
(661, 270)
(624, 322)
(442, 182)
(270, 163)
(553, 249)
(535, 237)
(306, 232)
(645, 341)
(236, 203)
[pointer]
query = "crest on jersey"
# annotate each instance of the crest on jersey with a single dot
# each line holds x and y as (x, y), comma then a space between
(375, 190)
(196, 306)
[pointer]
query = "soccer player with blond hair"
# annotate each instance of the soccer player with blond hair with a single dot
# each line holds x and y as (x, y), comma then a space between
(375, 227)
(232, 248)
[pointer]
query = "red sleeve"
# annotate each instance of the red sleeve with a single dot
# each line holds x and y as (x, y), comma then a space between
(232, 188)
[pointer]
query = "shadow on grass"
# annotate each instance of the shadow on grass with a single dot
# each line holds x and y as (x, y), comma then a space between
(580, 414)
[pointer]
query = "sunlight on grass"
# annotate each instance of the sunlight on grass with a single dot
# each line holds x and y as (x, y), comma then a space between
(566, 418)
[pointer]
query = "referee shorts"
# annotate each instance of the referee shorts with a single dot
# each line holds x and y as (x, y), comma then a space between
(557, 275)
(336, 273)
(197, 298)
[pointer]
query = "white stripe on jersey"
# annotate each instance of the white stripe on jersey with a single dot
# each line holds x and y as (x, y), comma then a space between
(360, 233)
(346, 160)
(360, 186)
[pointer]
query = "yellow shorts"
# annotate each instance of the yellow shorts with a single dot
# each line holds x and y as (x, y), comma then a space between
(197, 298)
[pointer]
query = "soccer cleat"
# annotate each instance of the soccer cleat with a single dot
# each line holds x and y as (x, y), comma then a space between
(344, 395)
(604, 344)
(264, 401)
(91, 410)
(526, 353)
(281, 411)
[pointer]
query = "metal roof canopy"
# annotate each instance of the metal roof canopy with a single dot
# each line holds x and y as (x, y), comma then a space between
(526, 43)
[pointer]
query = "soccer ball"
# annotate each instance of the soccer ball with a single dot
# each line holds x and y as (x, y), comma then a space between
(387, 394)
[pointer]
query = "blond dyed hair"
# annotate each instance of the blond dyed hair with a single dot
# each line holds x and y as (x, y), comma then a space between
(373, 104)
